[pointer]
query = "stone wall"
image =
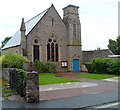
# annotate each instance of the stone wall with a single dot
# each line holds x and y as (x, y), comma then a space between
(32, 87)
(89, 55)
(13, 49)
(6, 73)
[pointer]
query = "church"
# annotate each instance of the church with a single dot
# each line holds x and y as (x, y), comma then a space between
(49, 38)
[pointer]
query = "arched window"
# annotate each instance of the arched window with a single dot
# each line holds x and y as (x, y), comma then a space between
(36, 55)
(52, 50)
(48, 52)
(74, 29)
(56, 50)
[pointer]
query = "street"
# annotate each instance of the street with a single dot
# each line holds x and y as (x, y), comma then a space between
(71, 102)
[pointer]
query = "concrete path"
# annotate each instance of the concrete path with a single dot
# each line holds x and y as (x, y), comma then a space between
(115, 79)
(70, 85)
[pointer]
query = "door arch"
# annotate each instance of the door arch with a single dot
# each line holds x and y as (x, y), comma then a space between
(76, 65)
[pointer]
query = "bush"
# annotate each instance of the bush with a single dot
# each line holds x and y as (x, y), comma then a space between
(18, 80)
(12, 60)
(100, 65)
(45, 67)
(114, 67)
(39, 66)
(89, 66)
(50, 67)
(104, 65)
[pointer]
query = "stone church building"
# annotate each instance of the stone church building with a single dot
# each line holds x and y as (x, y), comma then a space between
(48, 37)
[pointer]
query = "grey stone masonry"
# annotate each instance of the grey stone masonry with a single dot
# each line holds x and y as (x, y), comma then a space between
(6, 73)
(32, 87)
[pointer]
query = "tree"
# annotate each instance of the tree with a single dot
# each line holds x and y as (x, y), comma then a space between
(114, 45)
(5, 41)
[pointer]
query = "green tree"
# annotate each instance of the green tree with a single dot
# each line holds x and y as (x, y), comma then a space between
(114, 45)
(5, 41)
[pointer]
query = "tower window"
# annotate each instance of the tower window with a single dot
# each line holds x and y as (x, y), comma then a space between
(74, 29)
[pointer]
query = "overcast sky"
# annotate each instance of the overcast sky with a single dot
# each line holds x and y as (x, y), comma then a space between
(99, 18)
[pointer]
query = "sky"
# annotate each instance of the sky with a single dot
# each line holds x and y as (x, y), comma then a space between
(99, 18)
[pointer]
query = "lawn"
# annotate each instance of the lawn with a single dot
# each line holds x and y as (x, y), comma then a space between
(50, 78)
(96, 76)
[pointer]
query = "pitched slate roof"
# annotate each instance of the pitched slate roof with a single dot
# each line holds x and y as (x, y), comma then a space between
(15, 40)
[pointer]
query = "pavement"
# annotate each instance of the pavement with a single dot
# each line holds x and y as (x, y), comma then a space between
(87, 93)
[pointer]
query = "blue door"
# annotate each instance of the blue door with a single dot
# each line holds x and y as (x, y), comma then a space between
(75, 65)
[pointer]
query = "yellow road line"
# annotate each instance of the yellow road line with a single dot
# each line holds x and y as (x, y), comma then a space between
(106, 106)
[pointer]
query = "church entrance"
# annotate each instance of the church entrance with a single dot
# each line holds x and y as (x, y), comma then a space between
(75, 65)
(36, 52)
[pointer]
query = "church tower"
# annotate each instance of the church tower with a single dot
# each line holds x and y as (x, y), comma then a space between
(73, 26)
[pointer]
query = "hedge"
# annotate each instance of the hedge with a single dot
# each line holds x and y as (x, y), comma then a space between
(104, 65)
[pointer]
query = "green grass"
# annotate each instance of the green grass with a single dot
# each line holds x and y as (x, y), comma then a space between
(50, 78)
(7, 95)
(97, 76)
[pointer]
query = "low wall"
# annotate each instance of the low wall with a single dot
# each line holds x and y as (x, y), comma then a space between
(89, 55)
(6, 73)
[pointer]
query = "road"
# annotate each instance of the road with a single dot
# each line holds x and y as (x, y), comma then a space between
(71, 102)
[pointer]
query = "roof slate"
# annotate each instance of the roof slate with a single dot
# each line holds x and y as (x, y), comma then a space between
(15, 40)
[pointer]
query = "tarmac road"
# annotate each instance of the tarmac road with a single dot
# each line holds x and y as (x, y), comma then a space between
(71, 102)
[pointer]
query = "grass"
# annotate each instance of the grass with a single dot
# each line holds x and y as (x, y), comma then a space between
(7, 95)
(97, 76)
(50, 78)
(6, 91)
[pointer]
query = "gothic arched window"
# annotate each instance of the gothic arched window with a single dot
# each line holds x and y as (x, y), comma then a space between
(36, 50)
(48, 52)
(52, 50)
(56, 50)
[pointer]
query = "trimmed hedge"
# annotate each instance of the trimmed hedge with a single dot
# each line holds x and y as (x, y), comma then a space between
(12, 60)
(104, 65)
(47, 67)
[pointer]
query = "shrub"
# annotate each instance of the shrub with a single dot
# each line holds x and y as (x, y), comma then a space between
(39, 66)
(18, 80)
(104, 65)
(45, 67)
(89, 66)
(13, 60)
(50, 67)
(100, 65)
(114, 67)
